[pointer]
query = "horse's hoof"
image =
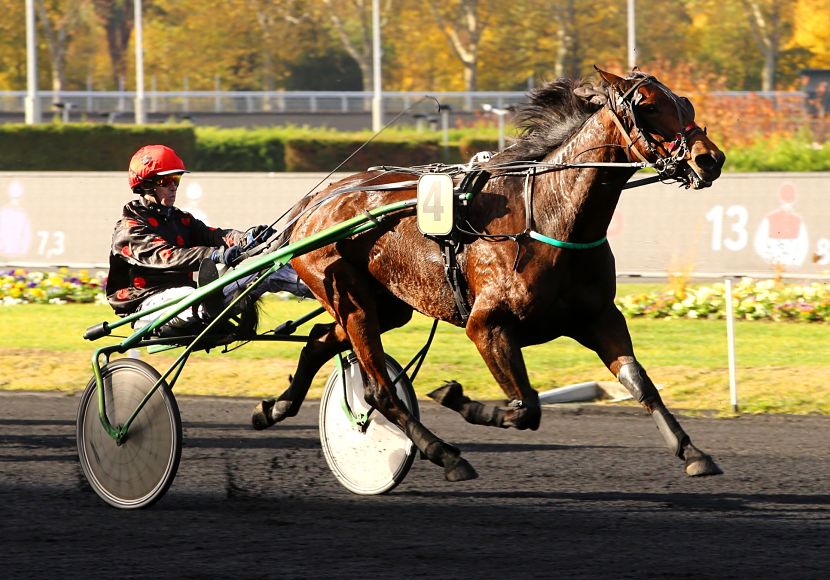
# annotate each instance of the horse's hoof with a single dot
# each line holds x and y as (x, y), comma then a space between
(450, 395)
(261, 417)
(460, 470)
(701, 466)
(523, 418)
(269, 412)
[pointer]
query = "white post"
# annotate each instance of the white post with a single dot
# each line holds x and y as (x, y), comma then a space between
(444, 111)
(730, 346)
(154, 98)
(33, 116)
(632, 36)
(140, 112)
(217, 99)
(89, 86)
(121, 87)
(500, 113)
(377, 98)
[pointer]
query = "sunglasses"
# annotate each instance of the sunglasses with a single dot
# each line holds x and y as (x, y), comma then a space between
(168, 180)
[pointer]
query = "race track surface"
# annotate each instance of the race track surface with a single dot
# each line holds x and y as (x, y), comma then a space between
(592, 494)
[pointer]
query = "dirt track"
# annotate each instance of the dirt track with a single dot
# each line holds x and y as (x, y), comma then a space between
(592, 494)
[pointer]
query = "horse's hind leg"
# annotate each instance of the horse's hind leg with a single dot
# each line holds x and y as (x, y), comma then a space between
(359, 312)
(325, 341)
(451, 395)
(612, 342)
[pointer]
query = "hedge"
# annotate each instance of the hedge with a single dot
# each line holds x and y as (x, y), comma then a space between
(798, 153)
(327, 151)
(238, 150)
(85, 146)
(97, 147)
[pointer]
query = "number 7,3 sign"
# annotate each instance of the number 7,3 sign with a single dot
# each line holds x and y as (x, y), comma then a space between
(435, 204)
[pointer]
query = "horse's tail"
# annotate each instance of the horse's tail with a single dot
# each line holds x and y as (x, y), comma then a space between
(247, 319)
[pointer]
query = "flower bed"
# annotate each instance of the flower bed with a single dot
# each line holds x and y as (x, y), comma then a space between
(20, 286)
(752, 300)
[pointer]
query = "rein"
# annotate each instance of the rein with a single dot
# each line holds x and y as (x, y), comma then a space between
(666, 165)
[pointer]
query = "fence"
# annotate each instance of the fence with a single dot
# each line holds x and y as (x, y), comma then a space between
(103, 102)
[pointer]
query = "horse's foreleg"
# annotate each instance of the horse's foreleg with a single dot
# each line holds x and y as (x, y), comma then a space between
(634, 378)
(612, 342)
(325, 341)
(381, 394)
(503, 356)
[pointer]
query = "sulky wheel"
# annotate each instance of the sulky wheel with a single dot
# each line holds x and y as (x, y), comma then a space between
(369, 456)
(136, 473)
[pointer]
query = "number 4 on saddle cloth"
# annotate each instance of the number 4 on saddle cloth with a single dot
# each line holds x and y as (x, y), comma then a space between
(283, 280)
(436, 213)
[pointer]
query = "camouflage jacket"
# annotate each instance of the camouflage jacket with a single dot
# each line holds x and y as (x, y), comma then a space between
(155, 248)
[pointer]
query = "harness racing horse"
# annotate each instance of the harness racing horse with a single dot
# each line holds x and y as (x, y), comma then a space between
(533, 256)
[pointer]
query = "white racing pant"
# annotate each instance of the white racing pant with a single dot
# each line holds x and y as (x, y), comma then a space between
(283, 280)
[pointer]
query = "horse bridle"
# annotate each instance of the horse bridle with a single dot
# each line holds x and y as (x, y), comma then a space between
(668, 158)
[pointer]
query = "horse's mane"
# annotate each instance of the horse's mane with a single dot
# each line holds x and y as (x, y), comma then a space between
(552, 114)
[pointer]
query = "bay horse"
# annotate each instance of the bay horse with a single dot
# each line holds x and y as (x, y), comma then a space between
(560, 180)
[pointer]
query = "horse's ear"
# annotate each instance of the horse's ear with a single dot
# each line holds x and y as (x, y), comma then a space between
(590, 93)
(609, 78)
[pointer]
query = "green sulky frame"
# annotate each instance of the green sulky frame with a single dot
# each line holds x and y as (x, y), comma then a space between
(264, 265)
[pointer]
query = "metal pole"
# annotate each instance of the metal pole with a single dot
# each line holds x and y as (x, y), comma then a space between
(730, 346)
(377, 99)
(632, 36)
(500, 113)
(33, 116)
(217, 99)
(445, 127)
(89, 92)
(154, 91)
(140, 112)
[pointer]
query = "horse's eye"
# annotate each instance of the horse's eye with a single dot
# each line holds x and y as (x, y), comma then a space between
(648, 108)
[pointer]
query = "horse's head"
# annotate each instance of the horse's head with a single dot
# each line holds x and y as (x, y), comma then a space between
(661, 127)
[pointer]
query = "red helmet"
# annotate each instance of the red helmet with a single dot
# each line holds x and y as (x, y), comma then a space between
(152, 160)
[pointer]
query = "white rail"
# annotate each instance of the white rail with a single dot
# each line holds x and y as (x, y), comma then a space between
(183, 102)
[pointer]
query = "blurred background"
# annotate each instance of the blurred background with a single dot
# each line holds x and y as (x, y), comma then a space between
(757, 67)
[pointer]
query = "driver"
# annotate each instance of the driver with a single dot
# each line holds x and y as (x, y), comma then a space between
(157, 247)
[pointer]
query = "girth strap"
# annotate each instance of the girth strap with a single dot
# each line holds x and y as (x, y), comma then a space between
(455, 278)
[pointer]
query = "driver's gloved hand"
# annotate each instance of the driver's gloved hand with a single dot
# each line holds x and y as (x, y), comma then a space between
(228, 256)
(258, 234)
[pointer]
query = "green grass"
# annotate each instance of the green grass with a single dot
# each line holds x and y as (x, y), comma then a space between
(781, 366)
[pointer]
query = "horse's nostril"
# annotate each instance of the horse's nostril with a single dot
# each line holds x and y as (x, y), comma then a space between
(706, 161)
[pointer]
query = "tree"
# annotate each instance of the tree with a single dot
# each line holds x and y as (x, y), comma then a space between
(117, 18)
(352, 22)
(13, 45)
(568, 54)
(463, 22)
(272, 18)
(771, 24)
(60, 20)
(812, 32)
